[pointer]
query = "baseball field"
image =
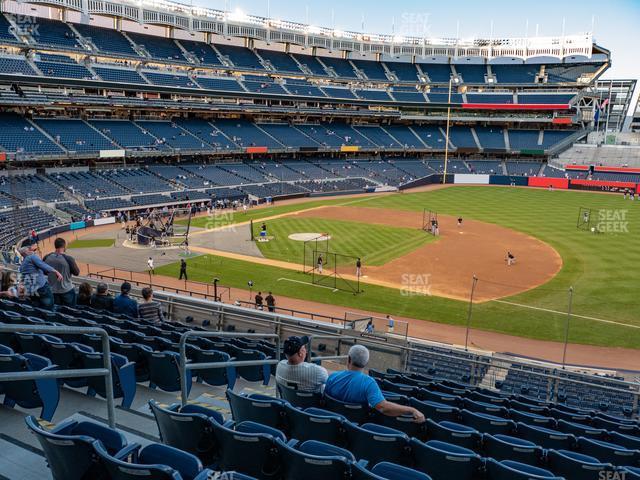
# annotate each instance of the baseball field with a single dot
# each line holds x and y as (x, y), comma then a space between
(407, 272)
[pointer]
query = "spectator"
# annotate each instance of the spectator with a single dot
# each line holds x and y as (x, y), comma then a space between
(123, 303)
(85, 291)
(102, 299)
(259, 300)
(353, 386)
(63, 290)
(34, 280)
(390, 323)
(295, 372)
(149, 309)
(369, 328)
(8, 287)
(271, 302)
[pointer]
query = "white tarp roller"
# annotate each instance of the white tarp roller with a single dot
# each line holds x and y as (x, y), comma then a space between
(471, 178)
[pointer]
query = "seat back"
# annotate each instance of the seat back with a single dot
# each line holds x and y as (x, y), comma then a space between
(120, 470)
(545, 437)
(254, 454)
(376, 443)
(214, 376)
(302, 465)
(510, 470)
(164, 372)
(437, 412)
(191, 432)
(454, 433)
(504, 447)
(258, 373)
(576, 465)
(443, 461)
(354, 412)
(68, 456)
(260, 410)
(298, 398)
(304, 426)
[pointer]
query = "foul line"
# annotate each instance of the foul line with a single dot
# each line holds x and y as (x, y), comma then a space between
(306, 283)
(595, 319)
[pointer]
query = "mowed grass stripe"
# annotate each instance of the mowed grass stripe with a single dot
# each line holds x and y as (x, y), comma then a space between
(374, 244)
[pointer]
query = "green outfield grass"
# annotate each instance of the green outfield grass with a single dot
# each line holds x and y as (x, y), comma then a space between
(602, 269)
(94, 243)
(374, 244)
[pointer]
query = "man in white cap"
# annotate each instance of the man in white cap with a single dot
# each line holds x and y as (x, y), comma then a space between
(354, 386)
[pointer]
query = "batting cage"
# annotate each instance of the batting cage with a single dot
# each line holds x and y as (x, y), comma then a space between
(311, 249)
(584, 219)
(430, 221)
(336, 271)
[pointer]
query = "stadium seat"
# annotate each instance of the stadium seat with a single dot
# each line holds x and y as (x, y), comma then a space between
(214, 376)
(528, 407)
(482, 407)
(437, 412)
(311, 424)
(487, 423)
(444, 461)
(248, 450)
(257, 408)
(440, 397)
(376, 443)
(454, 433)
(504, 447)
(123, 375)
(34, 343)
(313, 460)
(510, 470)
(298, 398)
(258, 373)
(68, 356)
(580, 430)
(386, 471)
(353, 412)
(69, 447)
(164, 372)
(156, 462)
(403, 423)
(532, 419)
(135, 353)
(628, 441)
(570, 416)
(188, 428)
(576, 465)
(608, 452)
(43, 393)
(615, 426)
(546, 437)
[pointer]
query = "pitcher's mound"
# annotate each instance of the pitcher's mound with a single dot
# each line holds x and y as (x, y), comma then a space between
(303, 237)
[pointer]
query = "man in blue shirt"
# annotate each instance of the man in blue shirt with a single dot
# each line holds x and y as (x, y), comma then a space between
(123, 303)
(354, 386)
(33, 276)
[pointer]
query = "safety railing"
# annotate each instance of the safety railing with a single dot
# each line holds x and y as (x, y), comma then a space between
(71, 373)
(296, 313)
(206, 365)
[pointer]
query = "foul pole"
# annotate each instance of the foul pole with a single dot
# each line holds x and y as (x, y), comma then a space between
(446, 140)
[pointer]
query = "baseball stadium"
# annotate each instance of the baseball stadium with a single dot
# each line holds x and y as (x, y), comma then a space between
(238, 246)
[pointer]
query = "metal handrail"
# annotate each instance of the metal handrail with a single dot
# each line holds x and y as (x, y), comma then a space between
(73, 373)
(182, 344)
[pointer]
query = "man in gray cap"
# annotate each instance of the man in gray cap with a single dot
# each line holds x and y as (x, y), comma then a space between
(294, 372)
(354, 386)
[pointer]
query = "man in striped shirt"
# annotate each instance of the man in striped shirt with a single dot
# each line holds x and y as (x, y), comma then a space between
(149, 309)
(294, 372)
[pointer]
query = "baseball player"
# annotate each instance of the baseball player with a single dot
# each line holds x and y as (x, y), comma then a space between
(150, 265)
(358, 267)
(511, 259)
(320, 263)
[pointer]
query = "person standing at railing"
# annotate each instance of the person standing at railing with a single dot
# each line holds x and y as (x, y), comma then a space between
(64, 292)
(271, 302)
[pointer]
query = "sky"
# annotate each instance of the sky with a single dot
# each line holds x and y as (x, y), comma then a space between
(615, 23)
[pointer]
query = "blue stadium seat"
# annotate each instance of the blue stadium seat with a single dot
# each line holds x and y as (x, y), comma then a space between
(510, 470)
(164, 372)
(386, 471)
(482, 407)
(505, 447)
(313, 424)
(532, 419)
(298, 398)
(545, 437)
(248, 450)
(123, 374)
(156, 462)
(43, 393)
(188, 428)
(619, 426)
(437, 412)
(353, 412)
(69, 447)
(376, 443)
(608, 452)
(628, 441)
(570, 416)
(580, 430)
(403, 423)
(313, 460)
(214, 376)
(454, 433)
(488, 423)
(68, 356)
(445, 461)
(576, 465)
(258, 373)
(135, 353)
(257, 408)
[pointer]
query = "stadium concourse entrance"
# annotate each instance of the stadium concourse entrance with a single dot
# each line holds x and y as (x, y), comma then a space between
(327, 268)
(430, 221)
